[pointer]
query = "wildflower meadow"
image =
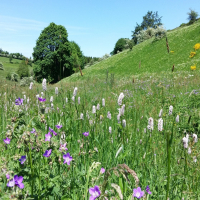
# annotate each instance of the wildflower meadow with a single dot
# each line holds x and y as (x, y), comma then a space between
(101, 140)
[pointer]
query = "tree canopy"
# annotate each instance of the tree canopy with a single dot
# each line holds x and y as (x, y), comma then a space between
(151, 19)
(54, 55)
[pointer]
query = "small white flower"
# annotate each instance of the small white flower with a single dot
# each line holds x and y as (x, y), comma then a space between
(28, 100)
(79, 100)
(44, 84)
(109, 115)
(150, 123)
(103, 102)
(160, 124)
(66, 99)
(81, 116)
(73, 98)
(42, 94)
(195, 159)
(145, 130)
(31, 86)
(98, 106)
(124, 123)
(160, 113)
(122, 110)
(24, 97)
(110, 129)
(170, 110)
(93, 109)
(177, 118)
(75, 91)
(121, 96)
(185, 142)
(56, 90)
(51, 99)
(195, 137)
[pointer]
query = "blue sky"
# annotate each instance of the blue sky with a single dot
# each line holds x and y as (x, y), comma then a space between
(95, 25)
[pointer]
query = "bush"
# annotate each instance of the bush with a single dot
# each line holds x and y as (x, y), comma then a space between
(23, 70)
(8, 76)
(12, 77)
(1, 66)
(160, 32)
(25, 81)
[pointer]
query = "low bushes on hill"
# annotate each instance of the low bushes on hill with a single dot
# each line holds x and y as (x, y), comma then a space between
(23, 70)
(1, 66)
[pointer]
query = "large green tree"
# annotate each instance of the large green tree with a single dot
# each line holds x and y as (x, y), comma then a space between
(52, 54)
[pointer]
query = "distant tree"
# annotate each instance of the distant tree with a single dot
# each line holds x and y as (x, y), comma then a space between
(192, 16)
(52, 54)
(151, 19)
(120, 45)
(1, 50)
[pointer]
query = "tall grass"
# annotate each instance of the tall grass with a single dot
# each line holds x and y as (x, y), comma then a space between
(158, 158)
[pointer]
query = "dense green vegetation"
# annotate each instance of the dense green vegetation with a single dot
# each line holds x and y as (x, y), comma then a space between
(134, 114)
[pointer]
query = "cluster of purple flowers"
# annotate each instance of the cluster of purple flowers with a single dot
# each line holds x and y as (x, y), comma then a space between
(138, 193)
(18, 102)
(17, 180)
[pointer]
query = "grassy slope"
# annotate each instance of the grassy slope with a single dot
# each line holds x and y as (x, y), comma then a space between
(9, 67)
(153, 56)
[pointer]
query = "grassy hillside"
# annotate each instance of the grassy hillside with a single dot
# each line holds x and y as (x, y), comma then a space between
(9, 67)
(153, 56)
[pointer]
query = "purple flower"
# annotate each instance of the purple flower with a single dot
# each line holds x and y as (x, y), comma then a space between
(58, 126)
(63, 147)
(54, 133)
(22, 159)
(47, 153)
(18, 102)
(102, 171)
(41, 99)
(17, 180)
(33, 131)
(7, 176)
(67, 158)
(7, 140)
(86, 134)
(50, 129)
(94, 192)
(148, 189)
(48, 137)
(138, 193)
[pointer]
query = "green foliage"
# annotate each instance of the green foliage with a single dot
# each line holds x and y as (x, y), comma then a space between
(25, 81)
(150, 20)
(119, 46)
(192, 16)
(52, 54)
(12, 76)
(23, 70)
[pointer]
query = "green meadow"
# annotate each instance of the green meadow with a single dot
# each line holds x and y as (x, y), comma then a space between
(130, 114)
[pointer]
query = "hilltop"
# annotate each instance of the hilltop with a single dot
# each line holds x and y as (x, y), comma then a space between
(149, 57)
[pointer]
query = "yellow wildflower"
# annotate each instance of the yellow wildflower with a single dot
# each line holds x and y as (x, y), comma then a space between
(192, 54)
(171, 51)
(196, 46)
(193, 67)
